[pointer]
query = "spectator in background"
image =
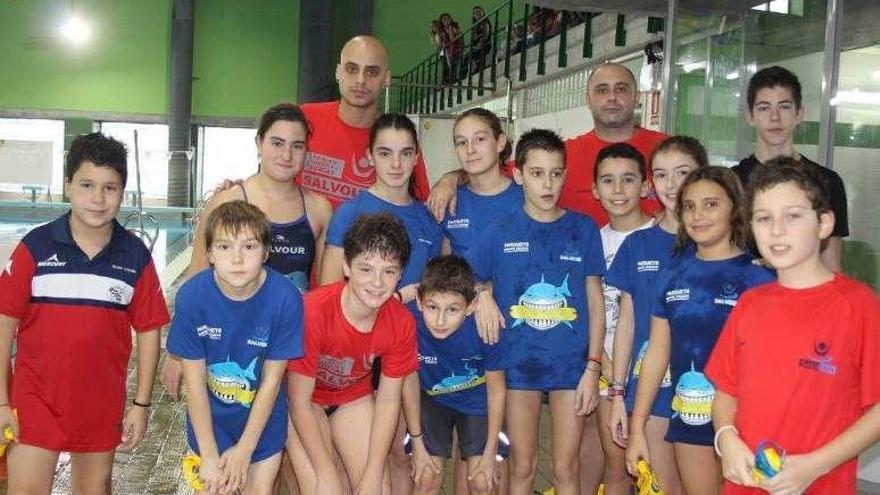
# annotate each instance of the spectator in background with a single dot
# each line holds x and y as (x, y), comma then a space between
(481, 37)
(453, 50)
(439, 39)
(437, 34)
(550, 18)
(517, 38)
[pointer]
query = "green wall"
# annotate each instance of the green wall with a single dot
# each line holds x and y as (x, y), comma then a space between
(246, 53)
(245, 56)
(404, 25)
(122, 69)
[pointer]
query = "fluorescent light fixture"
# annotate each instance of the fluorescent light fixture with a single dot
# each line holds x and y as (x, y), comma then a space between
(76, 30)
(692, 66)
(732, 75)
(856, 97)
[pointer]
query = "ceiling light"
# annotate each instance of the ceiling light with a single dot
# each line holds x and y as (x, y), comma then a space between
(76, 31)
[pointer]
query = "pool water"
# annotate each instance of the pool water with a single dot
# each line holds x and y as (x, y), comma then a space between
(173, 235)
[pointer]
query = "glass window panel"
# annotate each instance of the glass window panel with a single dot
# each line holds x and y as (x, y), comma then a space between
(857, 138)
(37, 130)
(228, 153)
(152, 159)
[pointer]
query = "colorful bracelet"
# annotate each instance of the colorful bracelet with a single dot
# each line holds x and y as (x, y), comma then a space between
(616, 389)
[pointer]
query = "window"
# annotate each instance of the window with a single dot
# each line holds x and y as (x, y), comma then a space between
(226, 153)
(152, 155)
(36, 130)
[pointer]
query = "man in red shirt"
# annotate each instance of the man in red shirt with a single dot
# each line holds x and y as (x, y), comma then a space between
(336, 165)
(611, 96)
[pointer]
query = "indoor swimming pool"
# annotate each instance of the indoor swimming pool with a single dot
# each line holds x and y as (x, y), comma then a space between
(170, 237)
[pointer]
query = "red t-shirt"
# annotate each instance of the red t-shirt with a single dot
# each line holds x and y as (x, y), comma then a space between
(803, 366)
(74, 339)
(336, 165)
(341, 358)
(581, 152)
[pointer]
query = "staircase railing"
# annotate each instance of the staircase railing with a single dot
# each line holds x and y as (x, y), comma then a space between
(446, 79)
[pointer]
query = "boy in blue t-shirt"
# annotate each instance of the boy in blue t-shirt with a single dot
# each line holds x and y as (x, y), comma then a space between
(459, 381)
(235, 327)
(545, 266)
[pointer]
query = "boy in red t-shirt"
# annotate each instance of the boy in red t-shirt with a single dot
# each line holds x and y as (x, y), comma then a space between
(796, 363)
(70, 295)
(345, 432)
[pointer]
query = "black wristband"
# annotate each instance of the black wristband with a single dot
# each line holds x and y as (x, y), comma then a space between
(416, 437)
(139, 404)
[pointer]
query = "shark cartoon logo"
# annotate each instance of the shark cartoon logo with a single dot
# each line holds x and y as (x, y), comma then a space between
(693, 398)
(543, 306)
(232, 385)
(456, 383)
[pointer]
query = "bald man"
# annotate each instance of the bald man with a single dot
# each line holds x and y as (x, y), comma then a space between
(611, 97)
(336, 165)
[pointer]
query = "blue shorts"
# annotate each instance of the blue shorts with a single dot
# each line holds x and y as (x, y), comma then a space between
(438, 422)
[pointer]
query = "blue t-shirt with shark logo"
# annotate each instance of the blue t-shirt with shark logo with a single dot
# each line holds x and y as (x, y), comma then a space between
(538, 272)
(425, 236)
(452, 370)
(640, 262)
(475, 212)
(696, 297)
(235, 338)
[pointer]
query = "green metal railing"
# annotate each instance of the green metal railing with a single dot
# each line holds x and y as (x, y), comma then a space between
(440, 81)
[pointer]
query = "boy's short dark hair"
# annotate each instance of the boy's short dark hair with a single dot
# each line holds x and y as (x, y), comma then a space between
(237, 216)
(538, 139)
(782, 170)
(620, 150)
(772, 77)
(99, 149)
(380, 233)
(448, 273)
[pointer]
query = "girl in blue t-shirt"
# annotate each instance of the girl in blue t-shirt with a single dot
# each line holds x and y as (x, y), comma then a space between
(640, 262)
(482, 149)
(393, 150)
(692, 302)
